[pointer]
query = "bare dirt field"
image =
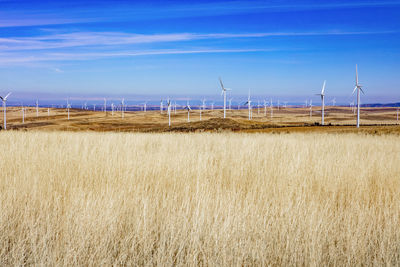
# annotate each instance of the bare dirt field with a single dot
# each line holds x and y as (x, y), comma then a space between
(337, 119)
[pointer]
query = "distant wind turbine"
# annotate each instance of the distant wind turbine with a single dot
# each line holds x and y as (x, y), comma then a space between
(188, 110)
(169, 112)
(105, 105)
(122, 108)
(334, 101)
(265, 108)
(230, 103)
(223, 92)
(248, 103)
(311, 108)
(359, 89)
(23, 113)
(4, 100)
(68, 107)
(94, 107)
(272, 108)
(161, 106)
(322, 94)
(203, 107)
(112, 109)
(258, 107)
(37, 108)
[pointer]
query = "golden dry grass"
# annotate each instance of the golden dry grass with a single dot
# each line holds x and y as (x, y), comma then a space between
(342, 119)
(199, 199)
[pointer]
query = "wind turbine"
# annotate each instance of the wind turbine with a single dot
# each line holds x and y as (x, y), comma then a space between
(48, 112)
(212, 105)
(23, 114)
(105, 105)
(161, 106)
(94, 107)
(334, 101)
(272, 108)
(203, 106)
(188, 109)
(230, 103)
(258, 107)
(310, 108)
(122, 108)
(175, 107)
(112, 109)
(322, 94)
(278, 104)
(248, 103)
(37, 108)
(358, 88)
(68, 107)
(4, 100)
(265, 108)
(145, 106)
(169, 112)
(223, 92)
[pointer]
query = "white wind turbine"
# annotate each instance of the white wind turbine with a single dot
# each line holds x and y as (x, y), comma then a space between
(265, 108)
(37, 108)
(248, 103)
(230, 103)
(4, 100)
(212, 105)
(94, 107)
(272, 108)
(334, 101)
(145, 106)
(278, 104)
(23, 114)
(169, 112)
(358, 88)
(105, 105)
(311, 108)
(223, 92)
(188, 110)
(322, 94)
(122, 108)
(68, 107)
(203, 106)
(258, 107)
(161, 106)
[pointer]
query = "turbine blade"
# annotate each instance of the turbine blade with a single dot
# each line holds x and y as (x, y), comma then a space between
(5, 98)
(222, 85)
(323, 88)
(355, 88)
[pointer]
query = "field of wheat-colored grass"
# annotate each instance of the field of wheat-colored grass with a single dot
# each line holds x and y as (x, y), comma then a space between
(199, 199)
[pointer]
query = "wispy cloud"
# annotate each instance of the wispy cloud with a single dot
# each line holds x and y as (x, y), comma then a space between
(18, 59)
(81, 39)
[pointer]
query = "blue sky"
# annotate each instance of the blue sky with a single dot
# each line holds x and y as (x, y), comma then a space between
(281, 49)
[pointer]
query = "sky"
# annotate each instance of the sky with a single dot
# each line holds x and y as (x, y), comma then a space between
(152, 49)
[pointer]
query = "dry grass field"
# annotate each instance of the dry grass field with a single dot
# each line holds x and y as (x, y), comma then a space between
(337, 119)
(207, 199)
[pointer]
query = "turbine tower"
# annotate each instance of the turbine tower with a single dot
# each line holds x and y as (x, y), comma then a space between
(358, 88)
(161, 106)
(310, 108)
(105, 105)
(4, 100)
(322, 94)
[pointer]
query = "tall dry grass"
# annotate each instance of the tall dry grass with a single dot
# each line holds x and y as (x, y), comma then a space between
(199, 199)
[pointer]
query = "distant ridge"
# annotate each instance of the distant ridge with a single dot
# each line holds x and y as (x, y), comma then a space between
(382, 105)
